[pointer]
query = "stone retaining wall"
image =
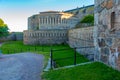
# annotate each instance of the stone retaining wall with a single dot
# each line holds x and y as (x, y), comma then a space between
(82, 37)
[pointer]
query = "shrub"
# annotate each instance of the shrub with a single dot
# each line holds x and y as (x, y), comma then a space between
(88, 19)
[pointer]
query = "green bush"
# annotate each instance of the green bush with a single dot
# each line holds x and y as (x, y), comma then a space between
(88, 19)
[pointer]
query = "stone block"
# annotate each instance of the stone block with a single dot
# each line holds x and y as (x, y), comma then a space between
(102, 34)
(109, 4)
(118, 62)
(116, 42)
(105, 51)
(108, 41)
(112, 50)
(104, 59)
(119, 49)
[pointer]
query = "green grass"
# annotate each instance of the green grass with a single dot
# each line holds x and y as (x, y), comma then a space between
(18, 46)
(66, 57)
(93, 71)
(13, 47)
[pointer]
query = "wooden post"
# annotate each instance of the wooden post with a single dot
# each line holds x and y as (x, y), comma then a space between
(51, 58)
(74, 56)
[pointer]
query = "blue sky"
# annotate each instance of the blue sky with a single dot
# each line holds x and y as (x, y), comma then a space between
(16, 12)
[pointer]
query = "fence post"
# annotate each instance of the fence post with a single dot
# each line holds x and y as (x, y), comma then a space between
(35, 48)
(42, 47)
(8, 52)
(74, 56)
(28, 49)
(21, 49)
(51, 58)
(14, 51)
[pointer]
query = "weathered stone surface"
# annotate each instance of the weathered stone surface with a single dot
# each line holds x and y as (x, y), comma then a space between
(119, 49)
(102, 34)
(101, 42)
(118, 62)
(116, 42)
(45, 37)
(107, 22)
(112, 50)
(105, 51)
(109, 41)
(104, 59)
(109, 4)
(82, 37)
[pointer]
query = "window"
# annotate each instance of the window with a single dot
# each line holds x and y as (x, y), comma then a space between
(112, 20)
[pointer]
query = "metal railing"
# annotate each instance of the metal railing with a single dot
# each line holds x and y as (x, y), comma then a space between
(74, 56)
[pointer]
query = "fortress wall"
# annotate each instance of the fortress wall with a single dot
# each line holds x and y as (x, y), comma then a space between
(107, 32)
(45, 37)
(82, 37)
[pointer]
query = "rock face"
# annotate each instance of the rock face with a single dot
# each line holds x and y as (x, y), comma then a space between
(107, 32)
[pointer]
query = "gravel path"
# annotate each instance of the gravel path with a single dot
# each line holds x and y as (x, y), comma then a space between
(23, 66)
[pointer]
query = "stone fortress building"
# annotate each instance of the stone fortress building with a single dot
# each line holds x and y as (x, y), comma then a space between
(107, 32)
(52, 20)
(49, 27)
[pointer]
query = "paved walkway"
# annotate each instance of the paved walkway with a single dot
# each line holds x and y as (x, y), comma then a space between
(23, 66)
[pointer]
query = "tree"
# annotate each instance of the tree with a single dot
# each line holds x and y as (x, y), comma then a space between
(3, 28)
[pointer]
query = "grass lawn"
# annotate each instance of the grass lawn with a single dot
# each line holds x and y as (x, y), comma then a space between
(61, 57)
(93, 71)
(13, 47)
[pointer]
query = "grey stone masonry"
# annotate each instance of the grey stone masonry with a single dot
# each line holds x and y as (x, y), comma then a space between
(82, 37)
(45, 36)
(107, 32)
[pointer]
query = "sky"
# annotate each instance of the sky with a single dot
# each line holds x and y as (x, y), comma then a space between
(16, 12)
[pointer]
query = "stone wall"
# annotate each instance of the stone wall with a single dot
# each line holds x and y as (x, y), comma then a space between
(82, 37)
(15, 36)
(107, 32)
(45, 37)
